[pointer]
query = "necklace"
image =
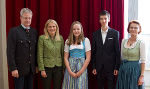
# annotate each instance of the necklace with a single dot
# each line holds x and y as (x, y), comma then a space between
(131, 41)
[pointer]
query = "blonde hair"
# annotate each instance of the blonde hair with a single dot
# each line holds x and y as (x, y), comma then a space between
(71, 37)
(57, 35)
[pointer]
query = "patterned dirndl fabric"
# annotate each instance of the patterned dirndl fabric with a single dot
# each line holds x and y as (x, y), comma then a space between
(76, 61)
(75, 83)
(129, 74)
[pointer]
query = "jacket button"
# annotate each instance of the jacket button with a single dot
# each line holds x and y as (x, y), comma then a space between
(29, 62)
(30, 55)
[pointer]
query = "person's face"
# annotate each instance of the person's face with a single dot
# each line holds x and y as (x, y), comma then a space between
(104, 20)
(26, 19)
(51, 28)
(134, 29)
(76, 30)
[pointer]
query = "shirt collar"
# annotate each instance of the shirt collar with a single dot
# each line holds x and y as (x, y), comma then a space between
(25, 27)
(104, 31)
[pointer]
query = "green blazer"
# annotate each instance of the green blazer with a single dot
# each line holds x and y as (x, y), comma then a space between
(50, 53)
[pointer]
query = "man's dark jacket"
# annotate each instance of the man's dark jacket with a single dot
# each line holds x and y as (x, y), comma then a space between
(106, 57)
(21, 50)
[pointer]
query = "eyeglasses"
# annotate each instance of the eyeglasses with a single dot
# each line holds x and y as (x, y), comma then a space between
(133, 27)
(27, 18)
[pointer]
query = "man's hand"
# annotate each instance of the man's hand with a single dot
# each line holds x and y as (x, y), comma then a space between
(15, 74)
(94, 71)
(115, 72)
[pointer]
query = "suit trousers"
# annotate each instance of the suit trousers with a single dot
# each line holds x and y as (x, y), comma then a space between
(25, 82)
(106, 79)
(55, 75)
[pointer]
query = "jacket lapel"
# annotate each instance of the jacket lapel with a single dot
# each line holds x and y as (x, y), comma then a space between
(99, 37)
(107, 36)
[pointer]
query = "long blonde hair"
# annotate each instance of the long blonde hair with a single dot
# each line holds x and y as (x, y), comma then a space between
(57, 35)
(71, 37)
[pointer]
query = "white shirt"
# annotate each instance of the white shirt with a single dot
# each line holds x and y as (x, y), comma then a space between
(87, 46)
(104, 33)
(25, 27)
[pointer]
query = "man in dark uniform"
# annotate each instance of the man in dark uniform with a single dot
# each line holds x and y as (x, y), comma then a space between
(21, 51)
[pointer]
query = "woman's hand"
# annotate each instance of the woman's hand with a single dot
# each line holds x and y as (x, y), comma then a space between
(73, 74)
(141, 80)
(43, 74)
(79, 73)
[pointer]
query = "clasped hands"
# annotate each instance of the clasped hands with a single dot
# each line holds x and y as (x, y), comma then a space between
(75, 75)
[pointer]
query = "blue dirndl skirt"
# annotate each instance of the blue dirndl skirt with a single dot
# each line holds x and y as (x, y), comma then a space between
(129, 74)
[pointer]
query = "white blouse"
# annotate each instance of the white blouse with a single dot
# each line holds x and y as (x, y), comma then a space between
(87, 46)
(142, 49)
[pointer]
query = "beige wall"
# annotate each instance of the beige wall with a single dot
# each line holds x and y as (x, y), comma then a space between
(3, 60)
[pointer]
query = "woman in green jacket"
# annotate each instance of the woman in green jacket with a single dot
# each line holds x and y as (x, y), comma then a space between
(50, 55)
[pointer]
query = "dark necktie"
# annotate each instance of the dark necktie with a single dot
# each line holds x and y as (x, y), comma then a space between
(27, 33)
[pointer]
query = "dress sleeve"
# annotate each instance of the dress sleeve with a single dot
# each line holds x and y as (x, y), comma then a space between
(66, 48)
(122, 44)
(87, 45)
(142, 52)
(40, 53)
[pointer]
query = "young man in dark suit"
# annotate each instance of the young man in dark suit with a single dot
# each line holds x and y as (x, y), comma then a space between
(105, 52)
(21, 51)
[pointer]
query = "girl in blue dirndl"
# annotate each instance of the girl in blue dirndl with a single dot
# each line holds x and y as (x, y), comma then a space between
(76, 57)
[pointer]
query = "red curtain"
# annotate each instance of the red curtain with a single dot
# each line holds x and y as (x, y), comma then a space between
(65, 12)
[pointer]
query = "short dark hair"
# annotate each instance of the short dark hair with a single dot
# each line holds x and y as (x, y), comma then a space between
(104, 12)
